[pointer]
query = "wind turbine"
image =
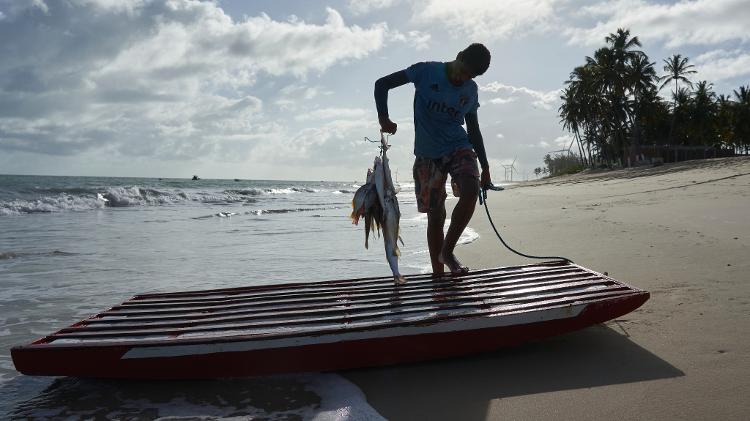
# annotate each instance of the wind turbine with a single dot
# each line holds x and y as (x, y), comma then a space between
(509, 169)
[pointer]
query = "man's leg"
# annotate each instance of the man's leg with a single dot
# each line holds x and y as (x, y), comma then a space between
(468, 191)
(435, 225)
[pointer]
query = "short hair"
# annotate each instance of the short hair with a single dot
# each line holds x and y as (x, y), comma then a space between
(477, 57)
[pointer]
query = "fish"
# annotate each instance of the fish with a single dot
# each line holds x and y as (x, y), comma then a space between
(365, 205)
(376, 202)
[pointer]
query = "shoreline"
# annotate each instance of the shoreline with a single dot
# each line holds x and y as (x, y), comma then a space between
(680, 231)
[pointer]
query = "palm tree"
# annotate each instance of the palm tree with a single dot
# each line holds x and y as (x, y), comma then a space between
(680, 112)
(640, 78)
(677, 69)
(703, 114)
(743, 95)
(742, 118)
(622, 55)
(571, 116)
(723, 124)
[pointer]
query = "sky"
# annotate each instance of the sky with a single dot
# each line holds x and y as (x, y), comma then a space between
(271, 89)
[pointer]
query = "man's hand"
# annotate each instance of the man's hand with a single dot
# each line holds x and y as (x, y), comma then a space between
(387, 126)
(485, 179)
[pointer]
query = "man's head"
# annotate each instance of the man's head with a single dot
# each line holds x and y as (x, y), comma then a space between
(476, 58)
(473, 61)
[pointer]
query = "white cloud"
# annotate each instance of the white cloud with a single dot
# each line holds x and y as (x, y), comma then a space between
(167, 79)
(361, 7)
(332, 113)
(417, 39)
(563, 141)
(721, 65)
(541, 99)
(485, 21)
(699, 22)
(558, 143)
(292, 97)
(502, 100)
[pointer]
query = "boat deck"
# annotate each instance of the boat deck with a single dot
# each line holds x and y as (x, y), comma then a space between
(338, 307)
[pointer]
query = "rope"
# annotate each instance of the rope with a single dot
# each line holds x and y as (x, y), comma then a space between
(483, 200)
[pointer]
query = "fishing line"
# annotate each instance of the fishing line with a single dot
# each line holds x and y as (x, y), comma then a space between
(483, 200)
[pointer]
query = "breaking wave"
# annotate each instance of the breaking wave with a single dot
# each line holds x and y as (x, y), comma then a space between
(50, 200)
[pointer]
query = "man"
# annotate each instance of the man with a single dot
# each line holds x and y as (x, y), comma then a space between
(445, 96)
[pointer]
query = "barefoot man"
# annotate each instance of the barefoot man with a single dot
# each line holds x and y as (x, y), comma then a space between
(445, 96)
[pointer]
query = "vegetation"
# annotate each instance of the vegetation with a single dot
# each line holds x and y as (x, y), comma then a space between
(611, 106)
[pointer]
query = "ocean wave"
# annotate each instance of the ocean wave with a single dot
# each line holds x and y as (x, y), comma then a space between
(60, 199)
(468, 236)
(245, 192)
(217, 215)
(138, 196)
(7, 255)
(288, 210)
(49, 204)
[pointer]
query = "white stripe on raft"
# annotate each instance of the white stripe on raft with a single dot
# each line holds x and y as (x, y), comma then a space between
(520, 318)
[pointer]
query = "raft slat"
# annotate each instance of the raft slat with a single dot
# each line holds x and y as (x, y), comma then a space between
(365, 320)
(127, 310)
(343, 315)
(324, 290)
(450, 296)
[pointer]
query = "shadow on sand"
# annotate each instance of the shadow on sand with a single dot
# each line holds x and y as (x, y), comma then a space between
(461, 388)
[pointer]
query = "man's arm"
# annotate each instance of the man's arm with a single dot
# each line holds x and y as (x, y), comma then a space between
(382, 86)
(475, 137)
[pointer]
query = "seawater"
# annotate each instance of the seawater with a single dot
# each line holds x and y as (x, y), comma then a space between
(73, 246)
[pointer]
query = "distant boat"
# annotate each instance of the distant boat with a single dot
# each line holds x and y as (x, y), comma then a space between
(236, 179)
(195, 177)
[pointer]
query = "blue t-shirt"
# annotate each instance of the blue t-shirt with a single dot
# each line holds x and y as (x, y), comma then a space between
(439, 110)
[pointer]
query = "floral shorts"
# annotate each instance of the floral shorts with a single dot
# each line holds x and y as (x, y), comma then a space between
(431, 174)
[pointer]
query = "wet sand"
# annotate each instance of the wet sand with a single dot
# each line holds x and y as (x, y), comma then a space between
(680, 231)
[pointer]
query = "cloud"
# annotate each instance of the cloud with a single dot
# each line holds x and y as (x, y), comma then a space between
(485, 21)
(541, 99)
(699, 22)
(500, 135)
(333, 113)
(333, 142)
(292, 97)
(417, 39)
(563, 141)
(721, 65)
(361, 7)
(167, 79)
(498, 101)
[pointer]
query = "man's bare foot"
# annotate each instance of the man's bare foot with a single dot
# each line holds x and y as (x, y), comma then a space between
(399, 280)
(440, 276)
(453, 264)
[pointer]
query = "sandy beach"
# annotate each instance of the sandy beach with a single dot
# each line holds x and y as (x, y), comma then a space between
(680, 231)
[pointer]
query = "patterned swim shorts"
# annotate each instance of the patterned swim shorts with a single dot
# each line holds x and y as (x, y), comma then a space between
(431, 174)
